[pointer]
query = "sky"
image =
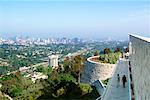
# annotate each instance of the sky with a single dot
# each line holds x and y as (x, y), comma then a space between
(74, 18)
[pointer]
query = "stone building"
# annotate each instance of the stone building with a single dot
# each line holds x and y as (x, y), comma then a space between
(53, 61)
(140, 67)
(137, 71)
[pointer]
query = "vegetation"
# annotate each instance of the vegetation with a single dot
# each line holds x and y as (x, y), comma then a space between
(64, 86)
(14, 84)
(74, 66)
(106, 51)
(126, 50)
(2, 97)
(110, 57)
(117, 50)
(61, 86)
(44, 69)
(12, 57)
(96, 53)
(106, 81)
(61, 83)
(4, 70)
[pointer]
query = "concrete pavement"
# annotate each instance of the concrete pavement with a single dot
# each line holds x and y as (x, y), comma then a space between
(115, 90)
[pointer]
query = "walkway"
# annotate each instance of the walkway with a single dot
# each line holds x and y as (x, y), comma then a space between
(116, 91)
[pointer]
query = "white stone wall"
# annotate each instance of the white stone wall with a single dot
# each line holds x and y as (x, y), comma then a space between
(140, 65)
(53, 61)
(96, 71)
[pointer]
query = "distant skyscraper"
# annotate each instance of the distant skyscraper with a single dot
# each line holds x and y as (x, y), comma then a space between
(53, 61)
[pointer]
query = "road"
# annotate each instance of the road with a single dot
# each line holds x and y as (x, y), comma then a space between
(32, 66)
(44, 63)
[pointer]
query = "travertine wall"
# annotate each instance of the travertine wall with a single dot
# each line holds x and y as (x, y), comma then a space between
(140, 64)
(96, 71)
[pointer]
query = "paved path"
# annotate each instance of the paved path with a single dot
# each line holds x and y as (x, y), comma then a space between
(116, 91)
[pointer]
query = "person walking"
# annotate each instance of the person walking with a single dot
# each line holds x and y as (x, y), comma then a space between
(124, 80)
(118, 79)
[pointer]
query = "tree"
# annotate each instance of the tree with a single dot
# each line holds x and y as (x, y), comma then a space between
(77, 66)
(67, 65)
(15, 90)
(14, 84)
(96, 53)
(126, 50)
(44, 69)
(40, 69)
(106, 50)
(117, 50)
(2, 97)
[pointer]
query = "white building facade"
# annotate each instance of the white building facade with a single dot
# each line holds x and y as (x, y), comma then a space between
(53, 61)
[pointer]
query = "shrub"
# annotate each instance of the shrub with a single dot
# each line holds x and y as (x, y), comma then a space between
(85, 88)
(106, 81)
(60, 92)
(44, 70)
(109, 58)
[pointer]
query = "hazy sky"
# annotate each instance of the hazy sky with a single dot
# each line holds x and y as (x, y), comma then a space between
(75, 18)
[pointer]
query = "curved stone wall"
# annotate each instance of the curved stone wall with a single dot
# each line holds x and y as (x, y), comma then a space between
(96, 71)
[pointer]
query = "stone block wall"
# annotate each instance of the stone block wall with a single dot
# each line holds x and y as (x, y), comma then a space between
(96, 71)
(140, 64)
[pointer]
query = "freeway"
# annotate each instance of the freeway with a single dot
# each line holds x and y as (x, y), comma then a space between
(79, 52)
(32, 66)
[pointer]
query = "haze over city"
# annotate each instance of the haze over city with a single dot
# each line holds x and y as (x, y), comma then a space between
(67, 18)
(74, 49)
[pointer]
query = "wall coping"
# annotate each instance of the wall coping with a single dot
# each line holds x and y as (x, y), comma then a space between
(95, 62)
(146, 39)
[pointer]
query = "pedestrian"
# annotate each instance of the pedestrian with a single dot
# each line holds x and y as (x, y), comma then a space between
(124, 80)
(118, 79)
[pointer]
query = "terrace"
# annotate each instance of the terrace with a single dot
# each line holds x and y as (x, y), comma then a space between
(115, 90)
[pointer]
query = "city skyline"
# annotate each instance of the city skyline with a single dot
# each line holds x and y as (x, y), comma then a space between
(65, 18)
